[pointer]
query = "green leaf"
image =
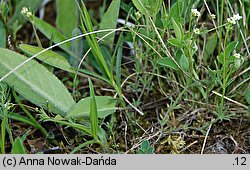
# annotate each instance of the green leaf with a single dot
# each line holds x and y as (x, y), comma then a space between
(18, 146)
(145, 148)
(230, 47)
(168, 62)
(220, 58)
(87, 26)
(176, 12)
(3, 35)
(109, 21)
(140, 6)
(184, 62)
(50, 31)
(151, 6)
(18, 17)
(105, 106)
(67, 16)
(247, 95)
(175, 42)
(48, 57)
(210, 47)
(178, 30)
(93, 112)
(35, 83)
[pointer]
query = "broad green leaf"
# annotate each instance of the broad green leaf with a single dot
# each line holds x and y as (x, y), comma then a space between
(67, 16)
(3, 35)
(175, 42)
(48, 57)
(178, 30)
(18, 17)
(105, 107)
(93, 111)
(210, 47)
(184, 62)
(35, 83)
(168, 62)
(109, 21)
(230, 47)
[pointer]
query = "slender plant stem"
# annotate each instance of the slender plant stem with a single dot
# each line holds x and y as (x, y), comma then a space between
(37, 125)
(224, 66)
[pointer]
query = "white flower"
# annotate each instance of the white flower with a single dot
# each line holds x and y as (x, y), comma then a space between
(213, 16)
(196, 31)
(237, 55)
(28, 14)
(138, 15)
(231, 20)
(195, 13)
(237, 17)
(24, 10)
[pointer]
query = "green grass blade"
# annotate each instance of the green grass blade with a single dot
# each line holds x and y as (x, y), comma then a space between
(93, 112)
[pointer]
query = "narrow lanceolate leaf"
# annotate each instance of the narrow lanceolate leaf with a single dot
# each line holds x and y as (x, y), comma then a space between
(105, 107)
(177, 29)
(50, 31)
(109, 20)
(230, 47)
(48, 57)
(67, 21)
(35, 83)
(184, 63)
(93, 112)
(3, 35)
(140, 5)
(18, 147)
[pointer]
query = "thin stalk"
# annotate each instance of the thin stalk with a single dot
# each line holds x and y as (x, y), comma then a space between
(220, 23)
(37, 125)
(223, 77)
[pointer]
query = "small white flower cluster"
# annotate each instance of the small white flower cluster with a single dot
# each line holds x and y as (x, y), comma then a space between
(25, 11)
(237, 55)
(212, 16)
(195, 13)
(138, 15)
(197, 31)
(232, 20)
